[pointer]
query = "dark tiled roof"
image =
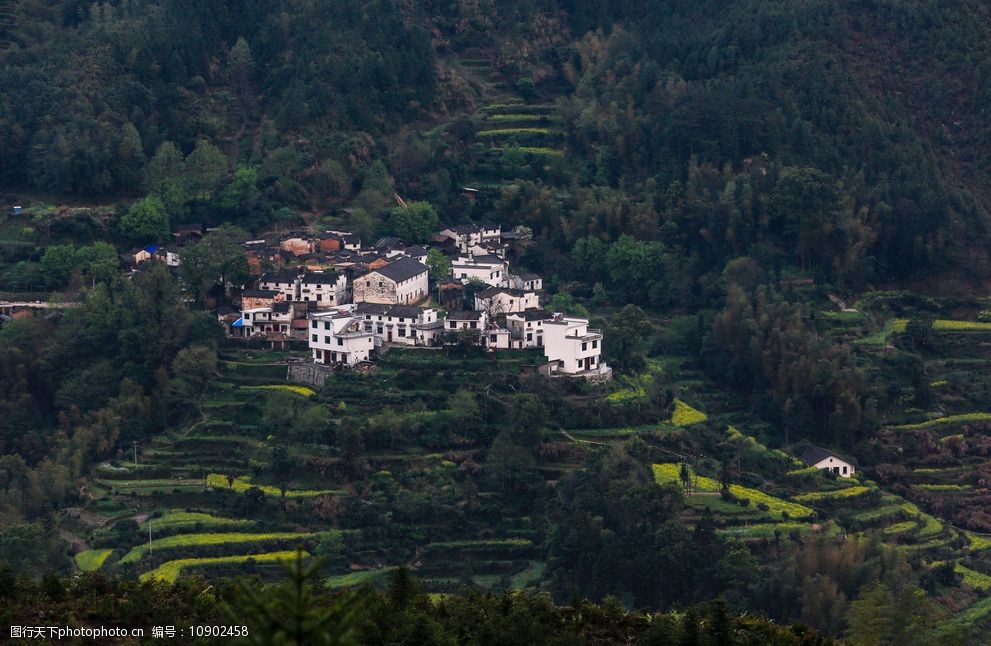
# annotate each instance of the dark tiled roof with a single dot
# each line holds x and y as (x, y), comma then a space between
(278, 277)
(489, 292)
(281, 308)
(375, 309)
(388, 242)
(529, 276)
(815, 455)
(259, 293)
(534, 315)
(465, 228)
(405, 311)
(402, 269)
(484, 259)
(464, 316)
(317, 278)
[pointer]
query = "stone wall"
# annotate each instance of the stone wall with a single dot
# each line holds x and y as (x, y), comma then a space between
(309, 373)
(367, 290)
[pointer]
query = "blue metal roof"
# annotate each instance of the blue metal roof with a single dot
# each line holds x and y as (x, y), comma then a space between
(152, 248)
(238, 323)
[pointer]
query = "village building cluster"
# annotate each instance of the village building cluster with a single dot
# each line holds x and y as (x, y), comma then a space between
(349, 300)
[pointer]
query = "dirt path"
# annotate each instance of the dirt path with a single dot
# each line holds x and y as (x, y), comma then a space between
(77, 542)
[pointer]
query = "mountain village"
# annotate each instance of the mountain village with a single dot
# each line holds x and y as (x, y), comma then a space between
(350, 302)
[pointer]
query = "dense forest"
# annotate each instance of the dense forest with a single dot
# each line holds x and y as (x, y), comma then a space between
(706, 180)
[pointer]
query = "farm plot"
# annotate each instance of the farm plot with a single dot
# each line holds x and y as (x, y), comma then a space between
(225, 539)
(91, 560)
(671, 474)
(170, 570)
(241, 484)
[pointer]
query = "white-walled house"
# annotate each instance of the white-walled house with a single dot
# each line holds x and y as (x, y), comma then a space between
(327, 289)
(401, 282)
(527, 282)
(283, 282)
(489, 269)
(573, 348)
(466, 236)
(503, 300)
(497, 338)
(526, 328)
(400, 324)
(827, 461)
(338, 337)
(264, 320)
(474, 322)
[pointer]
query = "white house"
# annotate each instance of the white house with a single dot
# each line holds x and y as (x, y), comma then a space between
(283, 282)
(400, 324)
(497, 338)
(338, 337)
(526, 282)
(527, 328)
(827, 461)
(466, 236)
(489, 269)
(572, 348)
(401, 282)
(503, 300)
(474, 322)
(327, 289)
(263, 320)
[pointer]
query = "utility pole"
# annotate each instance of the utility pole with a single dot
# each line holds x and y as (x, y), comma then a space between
(135, 445)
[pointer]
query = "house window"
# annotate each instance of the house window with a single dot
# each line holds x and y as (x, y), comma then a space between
(314, 324)
(595, 344)
(340, 342)
(319, 297)
(326, 325)
(247, 317)
(844, 470)
(379, 329)
(315, 337)
(584, 347)
(402, 331)
(492, 338)
(453, 325)
(326, 340)
(380, 283)
(529, 336)
(474, 325)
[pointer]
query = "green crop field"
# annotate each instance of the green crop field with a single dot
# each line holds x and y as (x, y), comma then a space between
(243, 483)
(848, 492)
(203, 540)
(671, 473)
(943, 421)
(685, 415)
(91, 560)
(170, 570)
(176, 519)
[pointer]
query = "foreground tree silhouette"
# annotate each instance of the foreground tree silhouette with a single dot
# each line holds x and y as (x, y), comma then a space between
(291, 613)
